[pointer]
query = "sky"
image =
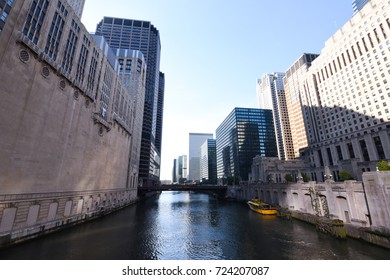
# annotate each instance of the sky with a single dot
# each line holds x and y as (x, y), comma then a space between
(213, 51)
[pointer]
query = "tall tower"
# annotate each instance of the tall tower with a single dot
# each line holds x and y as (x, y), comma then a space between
(357, 5)
(78, 6)
(196, 141)
(244, 134)
(271, 95)
(294, 90)
(142, 35)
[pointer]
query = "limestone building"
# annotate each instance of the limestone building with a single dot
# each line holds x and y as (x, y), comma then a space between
(77, 6)
(294, 87)
(70, 121)
(271, 95)
(345, 96)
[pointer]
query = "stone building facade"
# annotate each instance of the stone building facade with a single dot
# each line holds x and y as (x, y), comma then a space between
(68, 122)
(344, 97)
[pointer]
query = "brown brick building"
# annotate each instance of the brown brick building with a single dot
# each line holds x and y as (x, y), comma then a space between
(70, 123)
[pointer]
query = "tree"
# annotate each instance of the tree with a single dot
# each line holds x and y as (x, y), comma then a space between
(344, 175)
(383, 165)
(305, 177)
(288, 177)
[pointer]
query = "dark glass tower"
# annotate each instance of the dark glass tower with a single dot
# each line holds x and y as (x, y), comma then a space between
(244, 134)
(357, 5)
(143, 36)
(160, 110)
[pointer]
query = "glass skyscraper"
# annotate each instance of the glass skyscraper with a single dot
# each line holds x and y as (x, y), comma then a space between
(196, 140)
(244, 134)
(208, 161)
(142, 35)
(357, 5)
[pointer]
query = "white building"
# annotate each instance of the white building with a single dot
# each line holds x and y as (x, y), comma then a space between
(195, 142)
(271, 95)
(345, 96)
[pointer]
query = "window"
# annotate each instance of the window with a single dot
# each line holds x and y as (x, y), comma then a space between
(379, 147)
(4, 16)
(363, 147)
(34, 20)
(350, 150)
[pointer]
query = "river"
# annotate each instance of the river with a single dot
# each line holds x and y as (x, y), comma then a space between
(191, 226)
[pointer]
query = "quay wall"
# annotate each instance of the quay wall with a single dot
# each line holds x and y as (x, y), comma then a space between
(362, 208)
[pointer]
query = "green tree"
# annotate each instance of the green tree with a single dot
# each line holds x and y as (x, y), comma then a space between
(383, 165)
(288, 177)
(305, 177)
(344, 175)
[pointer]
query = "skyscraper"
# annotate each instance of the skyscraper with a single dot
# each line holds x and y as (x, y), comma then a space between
(345, 96)
(78, 6)
(244, 134)
(294, 90)
(271, 95)
(142, 35)
(357, 5)
(195, 142)
(208, 161)
(181, 169)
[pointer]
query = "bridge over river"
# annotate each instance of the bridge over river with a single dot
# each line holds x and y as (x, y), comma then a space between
(221, 190)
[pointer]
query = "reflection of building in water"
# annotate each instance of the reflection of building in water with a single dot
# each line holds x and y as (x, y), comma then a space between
(345, 96)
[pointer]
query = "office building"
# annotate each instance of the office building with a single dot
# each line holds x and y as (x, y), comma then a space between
(244, 134)
(271, 95)
(346, 96)
(357, 5)
(181, 169)
(294, 89)
(208, 162)
(196, 140)
(77, 6)
(143, 36)
(174, 176)
(68, 121)
(160, 111)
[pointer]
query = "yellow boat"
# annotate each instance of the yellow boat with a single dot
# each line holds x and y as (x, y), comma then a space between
(261, 207)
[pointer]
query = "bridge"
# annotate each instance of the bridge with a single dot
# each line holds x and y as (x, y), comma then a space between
(175, 187)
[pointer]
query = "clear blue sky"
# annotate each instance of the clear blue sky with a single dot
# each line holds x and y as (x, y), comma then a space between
(214, 50)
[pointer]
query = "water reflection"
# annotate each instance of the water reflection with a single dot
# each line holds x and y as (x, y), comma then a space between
(184, 226)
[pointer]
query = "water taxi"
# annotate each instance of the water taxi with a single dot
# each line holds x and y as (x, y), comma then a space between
(261, 207)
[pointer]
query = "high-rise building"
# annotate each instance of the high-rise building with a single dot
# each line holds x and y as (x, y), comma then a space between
(357, 5)
(271, 95)
(68, 120)
(181, 169)
(77, 6)
(174, 175)
(160, 111)
(142, 35)
(346, 95)
(208, 161)
(294, 91)
(195, 142)
(244, 134)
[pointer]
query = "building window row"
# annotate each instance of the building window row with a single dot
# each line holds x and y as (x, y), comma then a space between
(351, 54)
(34, 21)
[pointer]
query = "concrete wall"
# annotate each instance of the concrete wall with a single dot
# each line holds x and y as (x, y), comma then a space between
(377, 188)
(344, 201)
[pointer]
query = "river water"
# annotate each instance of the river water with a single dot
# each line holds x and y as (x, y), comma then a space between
(191, 226)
